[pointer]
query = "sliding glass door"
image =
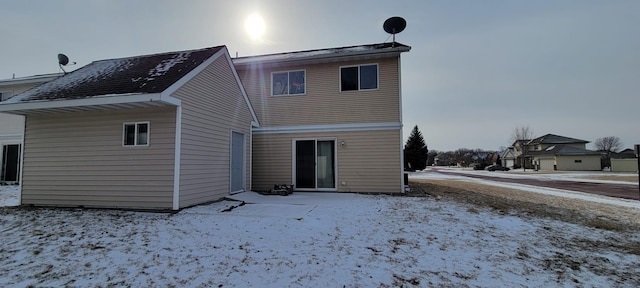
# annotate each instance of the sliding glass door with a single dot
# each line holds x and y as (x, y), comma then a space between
(315, 164)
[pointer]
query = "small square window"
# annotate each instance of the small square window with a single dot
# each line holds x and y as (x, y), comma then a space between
(288, 83)
(136, 134)
(363, 77)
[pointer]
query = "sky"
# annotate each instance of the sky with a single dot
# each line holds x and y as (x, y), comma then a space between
(476, 70)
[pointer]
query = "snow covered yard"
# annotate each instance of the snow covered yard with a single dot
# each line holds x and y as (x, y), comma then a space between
(310, 240)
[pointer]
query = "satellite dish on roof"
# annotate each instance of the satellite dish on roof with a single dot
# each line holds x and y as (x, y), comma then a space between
(394, 25)
(63, 60)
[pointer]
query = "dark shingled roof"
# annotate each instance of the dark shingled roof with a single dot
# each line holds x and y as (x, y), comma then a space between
(133, 75)
(555, 139)
(563, 150)
(323, 53)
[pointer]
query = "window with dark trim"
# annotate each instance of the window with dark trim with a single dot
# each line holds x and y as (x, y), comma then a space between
(136, 134)
(288, 83)
(357, 78)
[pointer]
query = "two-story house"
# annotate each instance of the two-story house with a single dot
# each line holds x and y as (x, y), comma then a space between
(330, 119)
(12, 126)
(554, 152)
(171, 130)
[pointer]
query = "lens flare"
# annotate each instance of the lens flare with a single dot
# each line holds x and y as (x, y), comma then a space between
(255, 26)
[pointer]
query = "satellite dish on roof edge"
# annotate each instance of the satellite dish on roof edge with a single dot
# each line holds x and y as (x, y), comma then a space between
(394, 25)
(63, 60)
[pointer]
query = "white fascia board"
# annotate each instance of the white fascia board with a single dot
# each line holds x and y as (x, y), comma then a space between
(328, 128)
(193, 73)
(222, 53)
(255, 121)
(92, 101)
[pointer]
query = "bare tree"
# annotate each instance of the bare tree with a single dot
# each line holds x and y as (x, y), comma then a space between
(521, 133)
(608, 144)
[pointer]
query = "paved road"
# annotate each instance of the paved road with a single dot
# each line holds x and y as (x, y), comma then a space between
(612, 190)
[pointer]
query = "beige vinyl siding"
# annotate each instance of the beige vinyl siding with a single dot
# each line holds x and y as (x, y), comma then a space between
(77, 159)
(589, 163)
(323, 102)
(624, 165)
(369, 162)
(17, 89)
(11, 124)
(212, 107)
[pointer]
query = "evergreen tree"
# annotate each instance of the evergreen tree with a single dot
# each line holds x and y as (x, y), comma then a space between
(415, 151)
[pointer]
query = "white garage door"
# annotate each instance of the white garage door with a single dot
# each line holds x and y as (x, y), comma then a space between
(546, 164)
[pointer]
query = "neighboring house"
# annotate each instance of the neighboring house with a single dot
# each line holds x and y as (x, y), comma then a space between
(331, 119)
(554, 152)
(519, 148)
(162, 131)
(12, 126)
(508, 157)
(624, 154)
(624, 161)
(443, 159)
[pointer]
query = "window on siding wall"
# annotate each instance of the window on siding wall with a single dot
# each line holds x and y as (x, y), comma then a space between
(362, 77)
(136, 134)
(5, 95)
(288, 83)
(577, 161)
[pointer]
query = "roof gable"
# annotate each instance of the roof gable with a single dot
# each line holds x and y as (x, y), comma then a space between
(133, 75)
(554, 139)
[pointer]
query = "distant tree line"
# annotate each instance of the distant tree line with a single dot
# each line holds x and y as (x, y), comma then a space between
(463, 157)
(418, 157)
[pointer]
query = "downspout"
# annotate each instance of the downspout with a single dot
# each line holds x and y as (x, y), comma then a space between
(176, 163)
(24, 131)
(402, 188)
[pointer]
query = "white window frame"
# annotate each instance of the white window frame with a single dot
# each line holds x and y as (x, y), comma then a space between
(124, 134)
(360, 65)
(289, 82)
(335, 163)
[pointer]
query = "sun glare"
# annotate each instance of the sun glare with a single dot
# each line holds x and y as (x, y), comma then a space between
(254, 26)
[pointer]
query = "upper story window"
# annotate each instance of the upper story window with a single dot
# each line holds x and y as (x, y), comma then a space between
(362, 77)
(136, 134)
(5, 95)
(288, 83)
